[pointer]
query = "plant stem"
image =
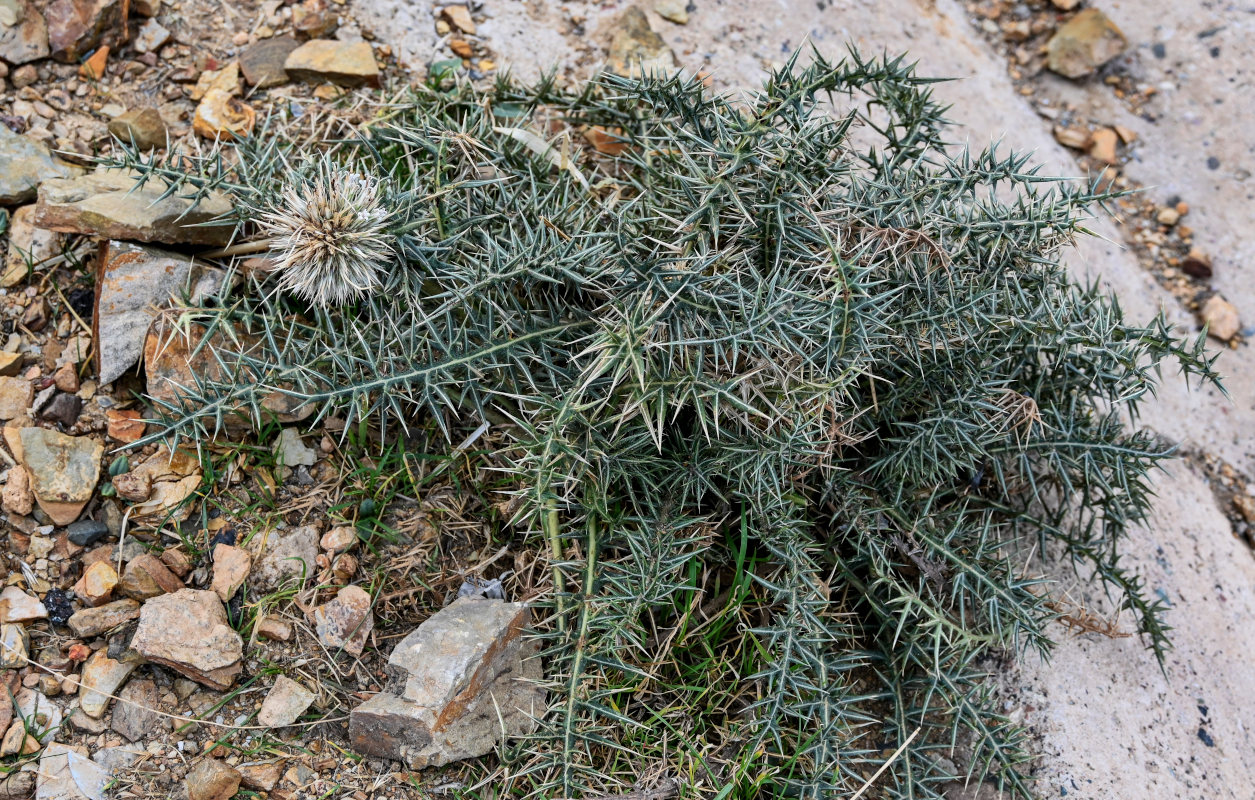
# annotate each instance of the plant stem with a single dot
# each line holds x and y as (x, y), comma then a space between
(555, 555)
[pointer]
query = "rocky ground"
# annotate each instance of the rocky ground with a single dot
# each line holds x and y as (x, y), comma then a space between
(135, 666)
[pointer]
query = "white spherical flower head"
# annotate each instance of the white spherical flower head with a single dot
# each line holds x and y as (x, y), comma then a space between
(331, 237)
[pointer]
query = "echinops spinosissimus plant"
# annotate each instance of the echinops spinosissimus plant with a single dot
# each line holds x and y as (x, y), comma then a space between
(844, 389)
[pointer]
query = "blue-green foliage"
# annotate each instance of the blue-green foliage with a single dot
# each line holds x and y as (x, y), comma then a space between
(867, 359)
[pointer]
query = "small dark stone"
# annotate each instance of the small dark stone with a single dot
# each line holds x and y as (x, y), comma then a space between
(58, 604)
(224, 536)
(302, 476)
(63, 409)
(1159, 50)
(1215, 52)
(235, 609)
(83, 301)
(1197, 265)
(86, 532)
(1213, 162)
(1205, 737)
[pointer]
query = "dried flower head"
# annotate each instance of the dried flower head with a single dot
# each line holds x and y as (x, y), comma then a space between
(331, 236)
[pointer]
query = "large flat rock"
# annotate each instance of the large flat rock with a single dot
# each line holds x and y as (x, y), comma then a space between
(110, 205)
(24, 165)
(133, 282)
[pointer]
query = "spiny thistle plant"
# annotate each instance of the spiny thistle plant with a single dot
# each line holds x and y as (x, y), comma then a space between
(787, 415)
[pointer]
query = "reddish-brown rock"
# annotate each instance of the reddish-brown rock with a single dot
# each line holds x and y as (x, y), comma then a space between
(146, 577)
(212, 780)
(76, 27)
(174, 357)
(126, 425)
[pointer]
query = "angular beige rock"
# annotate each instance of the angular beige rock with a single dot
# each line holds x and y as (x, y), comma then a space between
(18, 606)
(145, 577)
(10, 363)
(23, 32)
(137, 712)
(14, 646)
(97, 583)
(173, 478)
(1102, 146)
(133, 486)
(108, 204)
(459, 17)
(68, 773)
(231, 566)
(1084, 44)
(345, 622)
(339, 539)
(88, 622)
(142, 127)
(151, 36)
(221, 115)
(212, 780)
(16, 395)
(17, 498)
(43, 716)
(284, 556)
(133, 282)
(453, 684)
(29, 246)
(1221, 318)
(276, 630)
(635, 49)
(259, 777)
(285, 703)
(24, 165)
(63, 470)
(101, 677)
(672, 10)
(17, 741)
(18, 785)
(188, 632)
(341, 63)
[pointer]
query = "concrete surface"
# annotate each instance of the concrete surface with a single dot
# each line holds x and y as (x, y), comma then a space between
(1108, 723)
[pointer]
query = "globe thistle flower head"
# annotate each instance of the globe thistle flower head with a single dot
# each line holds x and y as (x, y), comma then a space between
(330, 233)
